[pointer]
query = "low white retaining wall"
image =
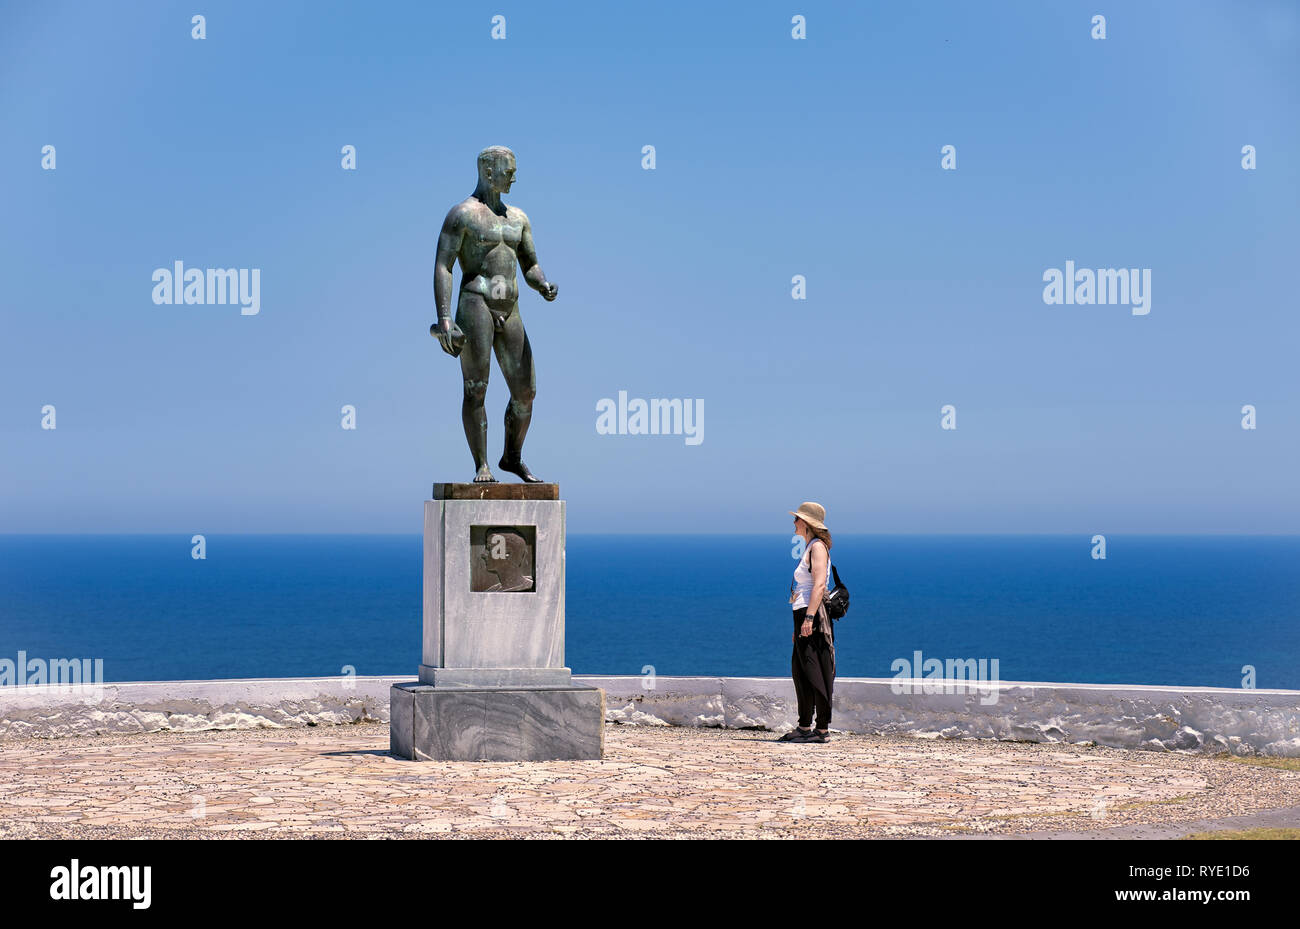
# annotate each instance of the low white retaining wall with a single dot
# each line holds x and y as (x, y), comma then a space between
(151, 706)
(1212, 719)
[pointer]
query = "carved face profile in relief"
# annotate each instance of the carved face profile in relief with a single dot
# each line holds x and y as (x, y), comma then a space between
(507, 557)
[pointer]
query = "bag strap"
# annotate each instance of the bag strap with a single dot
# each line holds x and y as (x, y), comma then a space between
(825, 590)
(834, 573)
(808, 552)
(821, 607)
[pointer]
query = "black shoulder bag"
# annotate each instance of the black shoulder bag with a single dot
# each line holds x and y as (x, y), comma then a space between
(835, 601)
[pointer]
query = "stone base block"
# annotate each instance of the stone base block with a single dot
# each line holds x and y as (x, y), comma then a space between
(495, 677)
(496, 491)
(496, 723)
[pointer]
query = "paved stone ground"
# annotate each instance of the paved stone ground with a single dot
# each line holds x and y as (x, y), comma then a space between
(340, 781)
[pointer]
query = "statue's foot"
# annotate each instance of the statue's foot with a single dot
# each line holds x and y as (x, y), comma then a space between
(484, 475)
(516, 466)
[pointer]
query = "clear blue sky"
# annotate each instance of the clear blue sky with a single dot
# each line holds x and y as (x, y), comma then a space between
(775, 157)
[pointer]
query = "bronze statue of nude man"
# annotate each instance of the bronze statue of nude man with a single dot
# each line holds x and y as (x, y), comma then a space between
(487, 236)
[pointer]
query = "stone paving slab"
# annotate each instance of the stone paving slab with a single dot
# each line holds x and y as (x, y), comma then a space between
(1285, 818)
(340, 781)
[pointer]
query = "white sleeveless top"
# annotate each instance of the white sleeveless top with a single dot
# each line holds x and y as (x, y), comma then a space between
(803, 579)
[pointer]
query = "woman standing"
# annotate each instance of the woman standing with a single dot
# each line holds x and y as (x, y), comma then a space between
(812, 663)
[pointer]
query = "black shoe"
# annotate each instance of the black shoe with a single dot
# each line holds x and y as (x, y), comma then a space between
(796, 735)
(816, 736)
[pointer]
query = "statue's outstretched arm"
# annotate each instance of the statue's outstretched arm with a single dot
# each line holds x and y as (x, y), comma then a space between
(445, 329)
(534, 276)
(449, 241)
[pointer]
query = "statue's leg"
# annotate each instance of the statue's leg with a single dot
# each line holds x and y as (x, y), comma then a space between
(475, 365)
(515, 356)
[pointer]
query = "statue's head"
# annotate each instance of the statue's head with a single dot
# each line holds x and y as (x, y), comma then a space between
(496, 168)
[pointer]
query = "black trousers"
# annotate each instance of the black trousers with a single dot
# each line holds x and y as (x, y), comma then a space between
(812, 665)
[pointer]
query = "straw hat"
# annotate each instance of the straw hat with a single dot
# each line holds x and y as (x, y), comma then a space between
(811, 513)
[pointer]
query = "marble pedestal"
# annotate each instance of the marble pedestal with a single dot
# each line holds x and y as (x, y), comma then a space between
(492, 683)
(496, 723)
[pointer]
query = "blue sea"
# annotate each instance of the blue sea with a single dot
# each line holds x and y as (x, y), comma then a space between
(1189, 610)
